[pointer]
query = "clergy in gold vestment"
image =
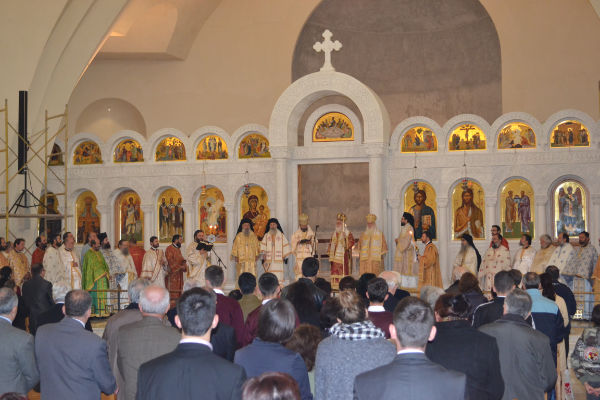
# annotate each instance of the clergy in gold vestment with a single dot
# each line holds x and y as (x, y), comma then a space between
(524, 256)
(154, 265)
(70, 262)
(405, 258)
(372, 247)
(17, 260)
(275, 249)
(196, 270)
(543, 255)
(3, 253)
(177, 267)
(303, 244)
(340, 250)
(246, 248)
(429, 264)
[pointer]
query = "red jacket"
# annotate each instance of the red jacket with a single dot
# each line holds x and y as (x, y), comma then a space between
(251, 326)
(230, 313)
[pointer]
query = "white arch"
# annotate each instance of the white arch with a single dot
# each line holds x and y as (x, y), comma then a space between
(124, 135)
(412, 122)
(83, 137)
(319, 112)
(293, 102)
(461, 119)
(204, 131)
(241, 132)
(503, 120)
(577, 115)
(159, 135)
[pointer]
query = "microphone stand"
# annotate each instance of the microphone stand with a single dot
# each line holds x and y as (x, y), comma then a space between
(219, 261)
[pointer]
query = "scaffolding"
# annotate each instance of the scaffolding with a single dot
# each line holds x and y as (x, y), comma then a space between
(38, 152)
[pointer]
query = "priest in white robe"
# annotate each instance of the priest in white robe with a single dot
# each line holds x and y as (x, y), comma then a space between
(578, 274)
(195, 271)
(303, 244)
(524, 256)
(496, 259)
(196, 260)
(467, 259)
(154, 264)
(275, 249)
(563, 254)
(69, 260)
(52, 264)
(543, 255)
(127, 272)
(405, 257)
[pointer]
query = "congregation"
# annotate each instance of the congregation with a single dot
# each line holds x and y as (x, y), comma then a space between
(499, 331)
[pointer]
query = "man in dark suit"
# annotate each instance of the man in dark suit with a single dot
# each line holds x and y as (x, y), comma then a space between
(228, 309)
(37, 295)
(526, 359)
(310, 269)
(567, 294)
(395, 294)
(73, 362)
(144, 340)
(377, 293)
(169, 377)
(491, 311)
(18, 370)
(411, 374)
(269, 288)
(56, 313)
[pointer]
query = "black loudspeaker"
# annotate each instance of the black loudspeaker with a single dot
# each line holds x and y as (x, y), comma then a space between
(23, 143)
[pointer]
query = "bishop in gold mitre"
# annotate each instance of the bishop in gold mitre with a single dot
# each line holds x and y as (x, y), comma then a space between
(372, 246)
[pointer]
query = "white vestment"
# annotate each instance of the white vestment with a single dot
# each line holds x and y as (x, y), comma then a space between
(464, 262)
(275, 249)
(523, 259)
(126, 272)
(71, 269)
(154, 266)
(302, 250)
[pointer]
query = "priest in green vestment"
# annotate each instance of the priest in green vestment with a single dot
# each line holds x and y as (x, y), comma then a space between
(95, 277)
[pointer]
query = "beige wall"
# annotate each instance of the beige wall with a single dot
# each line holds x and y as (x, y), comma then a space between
(550, 55)
(241, 62)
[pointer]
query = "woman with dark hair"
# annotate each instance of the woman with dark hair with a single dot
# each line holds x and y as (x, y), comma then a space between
(460, 347)
(276, 324)
(468, 286)
(302, 298)
(304, 341)
(6, 274)
(361, 286)
(271, 386)
(328, 315)
(347, 283)
(356, 345)
(584, 359)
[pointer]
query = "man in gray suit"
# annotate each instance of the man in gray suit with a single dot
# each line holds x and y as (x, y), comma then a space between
(73, 362)
(411, 375)
(18, 372)
(127, 316)
(146, 339)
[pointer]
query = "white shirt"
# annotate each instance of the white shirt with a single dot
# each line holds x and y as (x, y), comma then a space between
(197, 341)
(218, 291)
(6, 319)
(81, 322)
(411, 351)
(376, 309)
(265, 301)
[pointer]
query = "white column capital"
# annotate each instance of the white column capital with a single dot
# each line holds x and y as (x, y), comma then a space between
(394, 203)
(491, 201)
(442, 202)
(147, 208)
(540, 200)
(375, 150)
(102, 208)
(279, 152)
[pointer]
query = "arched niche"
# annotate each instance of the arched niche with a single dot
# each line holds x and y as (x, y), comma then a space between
(254, 205)
(420, 201)
(467, 202)
(87, 152)
(129, 217)
(87, 216)
(170, 214)
(517, 208)
(212, 213)
(569, 199)
(106, 116)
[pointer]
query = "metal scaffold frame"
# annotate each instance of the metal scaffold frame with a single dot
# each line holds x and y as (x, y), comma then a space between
(38, 151)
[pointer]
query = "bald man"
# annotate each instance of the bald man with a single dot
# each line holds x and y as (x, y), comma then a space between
(393, 279)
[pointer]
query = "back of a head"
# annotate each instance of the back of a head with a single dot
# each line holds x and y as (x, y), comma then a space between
(377, 290)
(517, 276)
(8, 300)
(36, 269)
(191, 283)
(518, 302)
(77, 303)
(596, 315)
(310, 267)
(154, 299)
(363, 281)
(268, 284)
(196, 309)
(271, 386)
(235, 294)
(59, 292)
(531, 280)
(276, 321)
(452, 306)
(347, 283)
(553, 271)
(503, 283)
(352, 307)
(325, 286)
(413, 319)
(247, 283)
(430, 294)
(468, 282)
(304, 341)
(135, 288)
(12, 396)
(215, 276)
(329, 313)
(393, 279)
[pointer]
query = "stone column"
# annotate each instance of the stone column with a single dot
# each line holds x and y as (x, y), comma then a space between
(376, 195)
(491, 216)
(226, 257)
(106, 223)
(394, 229)
(443, 233)
(150, 225)
(541, 217)
(281, 156)
(592, 219)
(188, 224)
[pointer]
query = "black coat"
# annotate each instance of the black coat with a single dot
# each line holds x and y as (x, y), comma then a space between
(460, 347)
(488, 312)
(55, 314)
(37, 295)
(393, 299)
(191, 371)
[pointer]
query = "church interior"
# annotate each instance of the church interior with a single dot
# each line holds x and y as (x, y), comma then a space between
(155, 118)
